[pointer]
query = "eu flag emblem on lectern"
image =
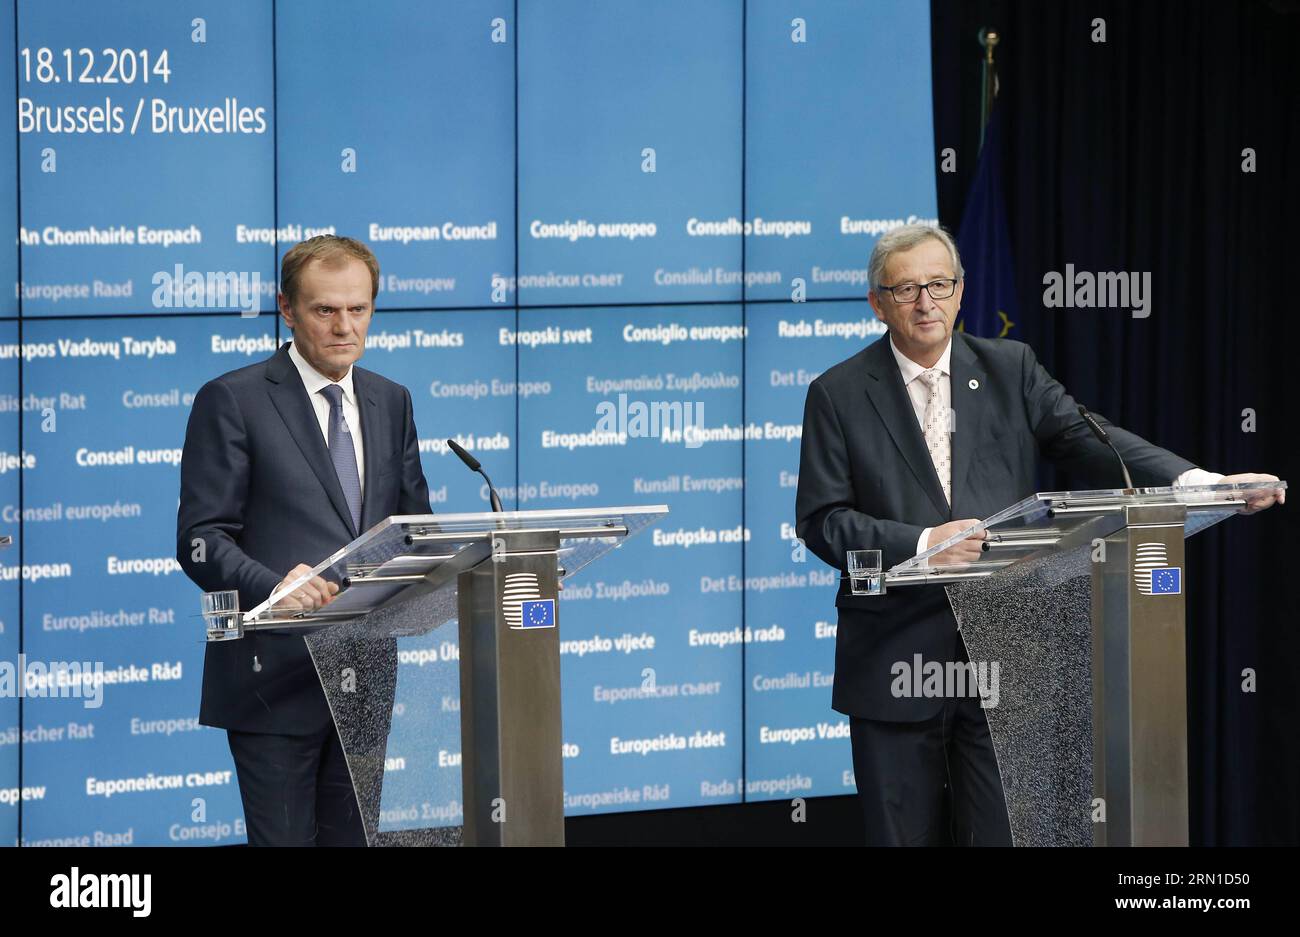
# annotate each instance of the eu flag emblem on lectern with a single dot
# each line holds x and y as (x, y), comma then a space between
(1167, 580)
(539, 613)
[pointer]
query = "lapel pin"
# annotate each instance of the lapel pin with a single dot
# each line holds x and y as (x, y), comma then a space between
(974, 384)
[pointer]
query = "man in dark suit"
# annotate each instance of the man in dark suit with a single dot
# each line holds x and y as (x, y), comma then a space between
(881, 467)
(286, 461)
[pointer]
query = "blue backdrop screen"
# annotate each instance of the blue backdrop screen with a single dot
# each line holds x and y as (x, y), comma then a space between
(578, 208)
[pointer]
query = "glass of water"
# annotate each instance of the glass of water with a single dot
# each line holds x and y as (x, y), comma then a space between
(864, 572)
(221, 614)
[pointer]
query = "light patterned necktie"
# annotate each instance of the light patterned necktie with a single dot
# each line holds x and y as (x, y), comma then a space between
(342, 453)
(936, 432)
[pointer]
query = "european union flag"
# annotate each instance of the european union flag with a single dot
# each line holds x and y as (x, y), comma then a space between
(988, 307)
(539, 613)
(1167, 580)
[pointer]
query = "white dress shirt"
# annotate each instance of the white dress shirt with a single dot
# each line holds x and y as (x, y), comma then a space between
(313, 380)
(920, 395)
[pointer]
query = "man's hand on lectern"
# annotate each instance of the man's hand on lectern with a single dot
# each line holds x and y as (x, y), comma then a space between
(1256, 499)
(962, 553)
(313, 593)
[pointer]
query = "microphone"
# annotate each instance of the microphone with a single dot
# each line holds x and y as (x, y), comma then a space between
(1101, 434)
(474, 466)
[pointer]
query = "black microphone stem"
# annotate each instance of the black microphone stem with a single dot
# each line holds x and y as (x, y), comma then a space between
(1102, 435)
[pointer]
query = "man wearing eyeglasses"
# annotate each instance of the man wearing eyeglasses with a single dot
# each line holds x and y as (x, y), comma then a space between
(882, 468)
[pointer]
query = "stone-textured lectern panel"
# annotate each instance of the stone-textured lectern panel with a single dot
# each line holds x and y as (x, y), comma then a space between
(392, 680)
(1034, 623)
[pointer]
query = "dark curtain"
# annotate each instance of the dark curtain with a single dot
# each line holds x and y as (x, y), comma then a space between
(1127, 156)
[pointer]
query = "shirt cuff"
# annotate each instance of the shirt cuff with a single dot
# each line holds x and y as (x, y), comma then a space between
(1194, 476)
(920, 545)
(1197, 476)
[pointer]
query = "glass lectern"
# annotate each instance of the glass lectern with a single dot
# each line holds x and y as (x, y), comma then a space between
(440, 660)
(1075, 610)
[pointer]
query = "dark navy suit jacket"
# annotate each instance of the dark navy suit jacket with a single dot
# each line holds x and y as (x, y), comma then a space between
(866, 481)
(259, 489)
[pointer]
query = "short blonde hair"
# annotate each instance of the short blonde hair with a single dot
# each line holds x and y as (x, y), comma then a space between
(330, 250)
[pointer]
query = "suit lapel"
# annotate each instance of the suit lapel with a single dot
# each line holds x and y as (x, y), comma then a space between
(290, 399)
(887, 394)
(372, 441)
(968, 413)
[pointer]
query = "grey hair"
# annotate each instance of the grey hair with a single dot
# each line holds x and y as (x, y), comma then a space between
(903, 238)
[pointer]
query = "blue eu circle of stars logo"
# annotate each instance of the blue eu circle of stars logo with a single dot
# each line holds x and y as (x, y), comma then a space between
(539, 613)
(1166, 581)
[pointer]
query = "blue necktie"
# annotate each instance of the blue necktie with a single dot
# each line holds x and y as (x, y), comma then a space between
(342, 453)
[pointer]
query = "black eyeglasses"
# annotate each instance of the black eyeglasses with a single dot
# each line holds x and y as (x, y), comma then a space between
(910, 292)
